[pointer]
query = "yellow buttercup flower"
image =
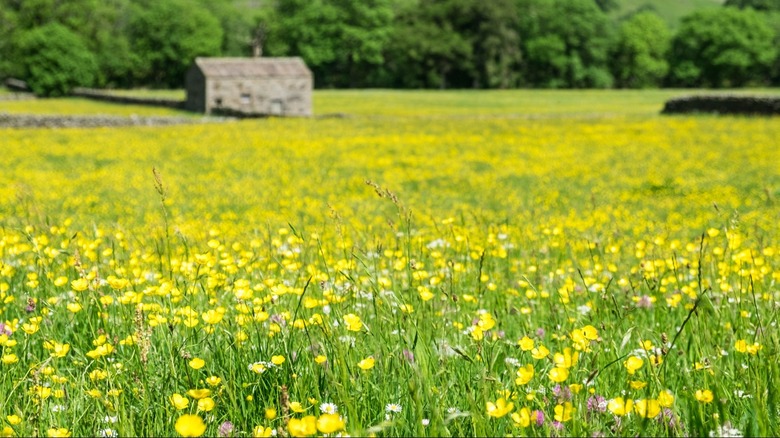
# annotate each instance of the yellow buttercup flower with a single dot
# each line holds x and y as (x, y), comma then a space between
(558, 374)
(198, 394)
(499, 408)
(59, 350)
(540, 352)
(704, 396)
(179, 401)
(647, 408)
(190, 426)
(665, 398)
(353, 322)
(262, 432)
(206, 404)
(79, 285)
(526, 343)
(366, 364)
(524, 374)
(58, 432)
(305, 426)
(9, 359)
(632, 364)
(620, 407)
(330, 423)
(522, 417)
(197, 363)
(563, 412)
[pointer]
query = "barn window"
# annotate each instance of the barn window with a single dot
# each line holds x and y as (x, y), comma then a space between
(218, 101)
(245, 98)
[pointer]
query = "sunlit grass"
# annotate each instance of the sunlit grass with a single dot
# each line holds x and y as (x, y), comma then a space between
(541, 269)
(80, 106)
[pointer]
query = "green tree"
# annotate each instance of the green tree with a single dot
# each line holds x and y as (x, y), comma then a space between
(56, 60)
(341, 40)
(165, 36)
(759, 5)
(495, 41)
(639, 58)
(428, 49)
(722, 48)
(97, 22)
(236, 23)
(566, 43)
(8, 25)
(607, 5)
(457, 43)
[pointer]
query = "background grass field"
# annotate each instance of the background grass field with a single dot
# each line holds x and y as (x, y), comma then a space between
(536, 262)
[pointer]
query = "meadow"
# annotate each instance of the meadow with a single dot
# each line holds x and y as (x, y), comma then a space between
(464, 263)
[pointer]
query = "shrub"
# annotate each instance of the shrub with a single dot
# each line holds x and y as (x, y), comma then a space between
(55, 60)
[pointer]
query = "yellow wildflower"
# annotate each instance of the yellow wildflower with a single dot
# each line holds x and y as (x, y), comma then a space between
(524, 374)
(190, 426)
(704, 396)
(647, 408)
(522, 417)
(58, 432)
(558, 374)
(620, 407)
(353, 322)
(262, 432)
(305, 426)
(198, 394)
(633, 363)
(179, 401)
(206, 404)
(526, 343)
(563, 412)
(366, 364)
(330, 423)
(499, 408)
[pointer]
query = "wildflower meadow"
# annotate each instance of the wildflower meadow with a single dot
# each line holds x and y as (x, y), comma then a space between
(521, 263)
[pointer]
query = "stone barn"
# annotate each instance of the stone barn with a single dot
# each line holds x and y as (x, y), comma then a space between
(250, 86)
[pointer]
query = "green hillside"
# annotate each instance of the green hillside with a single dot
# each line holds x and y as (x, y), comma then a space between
(670, 10)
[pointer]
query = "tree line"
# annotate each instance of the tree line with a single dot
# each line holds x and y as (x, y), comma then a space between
(56, 45)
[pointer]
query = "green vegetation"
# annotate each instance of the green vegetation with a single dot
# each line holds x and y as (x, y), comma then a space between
(57, 60)
(404, 43)
(722, 48)
(671, 11)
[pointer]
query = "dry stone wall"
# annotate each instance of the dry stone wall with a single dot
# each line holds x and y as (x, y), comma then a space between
(107, 96)
(724, 104)
(63, 121)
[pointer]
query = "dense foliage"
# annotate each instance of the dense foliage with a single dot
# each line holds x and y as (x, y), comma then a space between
(56, 60)
(411, 43)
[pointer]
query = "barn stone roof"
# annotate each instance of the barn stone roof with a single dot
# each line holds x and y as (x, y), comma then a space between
(252, 67)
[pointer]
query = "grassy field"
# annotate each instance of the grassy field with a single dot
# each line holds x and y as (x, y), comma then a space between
(457, 263)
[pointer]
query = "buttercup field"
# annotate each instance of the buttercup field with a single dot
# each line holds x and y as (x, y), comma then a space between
(406, 263)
